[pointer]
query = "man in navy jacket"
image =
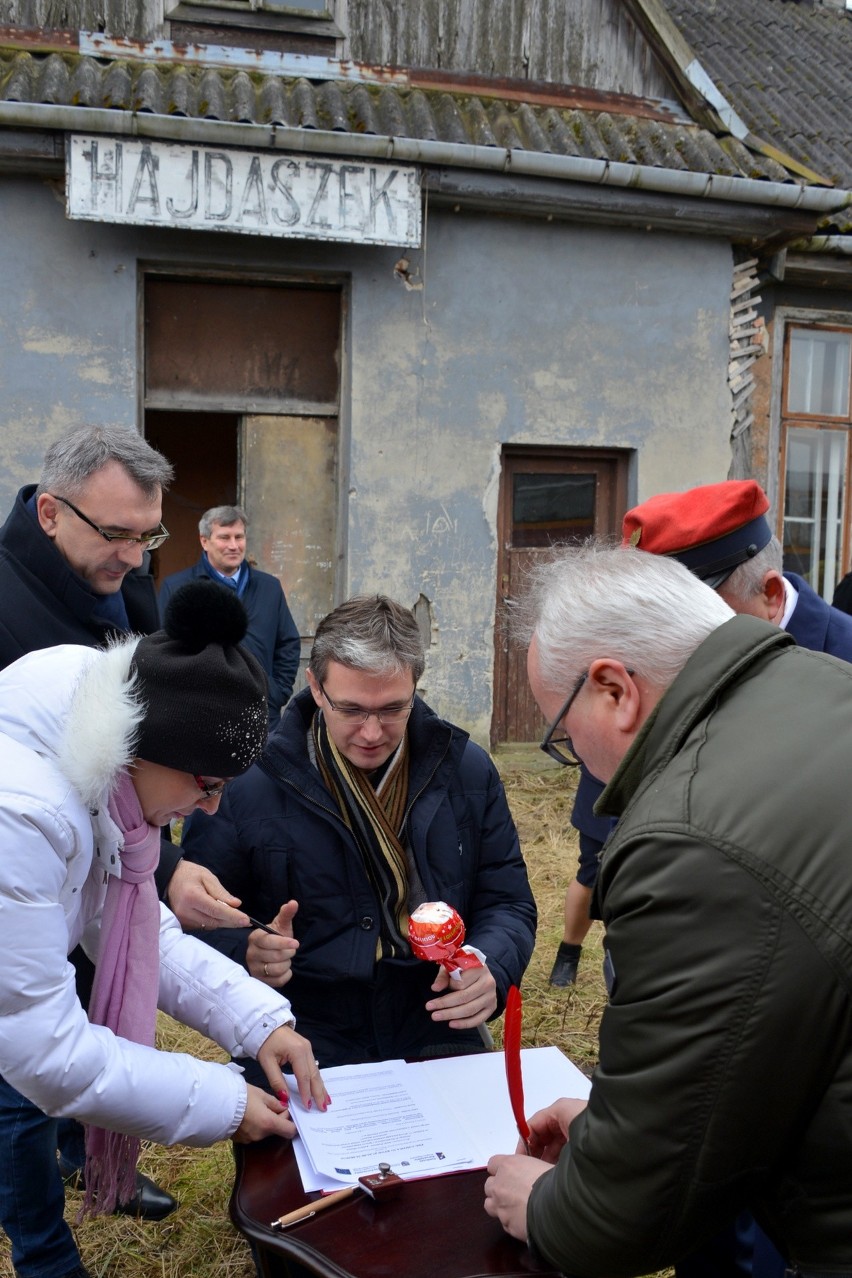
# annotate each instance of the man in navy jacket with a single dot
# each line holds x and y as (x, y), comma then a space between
(272, 636)
(720, 532)
(71, 572)
(364, 805)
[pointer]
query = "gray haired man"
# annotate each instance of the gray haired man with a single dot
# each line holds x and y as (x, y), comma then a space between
(71, 572)
(272, 635)
(726, 893)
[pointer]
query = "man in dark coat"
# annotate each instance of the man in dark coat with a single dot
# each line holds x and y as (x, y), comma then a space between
(720, 532)
(726, 894)
(71, 572)
(364, 805)
(60, 581)
(272, 635)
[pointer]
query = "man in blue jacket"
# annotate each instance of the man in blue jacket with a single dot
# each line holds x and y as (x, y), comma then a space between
(720, 532)
(364, 805)
(272, 636)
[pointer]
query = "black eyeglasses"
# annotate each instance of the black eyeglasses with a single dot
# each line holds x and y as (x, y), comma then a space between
(560, 748)
(355, 714)
(150, 540)
(210, 789)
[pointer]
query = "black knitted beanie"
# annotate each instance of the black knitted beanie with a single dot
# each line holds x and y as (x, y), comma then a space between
(205, 696)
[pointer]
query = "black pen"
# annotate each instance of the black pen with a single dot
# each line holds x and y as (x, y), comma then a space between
(263, 926)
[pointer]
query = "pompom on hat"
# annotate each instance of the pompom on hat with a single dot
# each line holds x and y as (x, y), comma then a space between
(711, 530)
(205, 696)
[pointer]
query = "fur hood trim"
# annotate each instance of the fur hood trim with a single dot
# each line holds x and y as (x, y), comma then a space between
(100, 729)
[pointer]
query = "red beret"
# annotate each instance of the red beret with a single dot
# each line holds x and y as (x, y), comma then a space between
(711, 529)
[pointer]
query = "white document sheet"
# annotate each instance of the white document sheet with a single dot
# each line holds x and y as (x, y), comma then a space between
(425, 1118)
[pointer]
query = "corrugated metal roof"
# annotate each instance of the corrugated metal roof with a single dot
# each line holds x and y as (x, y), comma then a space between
(466, 115)
(787, 69)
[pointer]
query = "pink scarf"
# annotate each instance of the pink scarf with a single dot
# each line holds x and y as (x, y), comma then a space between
(124, 994)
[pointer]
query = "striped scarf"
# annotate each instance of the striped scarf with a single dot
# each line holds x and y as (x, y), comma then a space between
(375, 815)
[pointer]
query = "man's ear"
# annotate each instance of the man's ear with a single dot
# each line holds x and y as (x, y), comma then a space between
(46, 509)
(773, 596)
(313, 684)
(611, 680)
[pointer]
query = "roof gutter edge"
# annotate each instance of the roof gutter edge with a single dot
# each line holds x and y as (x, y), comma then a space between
(416, 151)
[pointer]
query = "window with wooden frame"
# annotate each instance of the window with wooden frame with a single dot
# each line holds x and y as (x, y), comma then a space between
(816, 420)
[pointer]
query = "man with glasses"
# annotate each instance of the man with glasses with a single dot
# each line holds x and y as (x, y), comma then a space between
(364, 805)
(72, 571)
(72, 549)
(721, 533)
(725, 1053)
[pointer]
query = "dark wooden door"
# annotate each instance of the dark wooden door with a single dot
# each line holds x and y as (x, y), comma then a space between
(548, 498)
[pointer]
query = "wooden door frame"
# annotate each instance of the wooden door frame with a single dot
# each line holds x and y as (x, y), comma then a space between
(563, 459)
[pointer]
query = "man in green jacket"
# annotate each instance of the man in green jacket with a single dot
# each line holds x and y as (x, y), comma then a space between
(725, 1066)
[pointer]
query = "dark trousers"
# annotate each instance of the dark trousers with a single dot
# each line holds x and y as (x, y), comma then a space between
(740, 1248)
(32, 1195)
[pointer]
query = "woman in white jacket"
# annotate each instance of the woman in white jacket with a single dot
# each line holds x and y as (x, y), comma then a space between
(98, 749)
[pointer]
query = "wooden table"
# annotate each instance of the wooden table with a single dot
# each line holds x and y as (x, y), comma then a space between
(435, 1228)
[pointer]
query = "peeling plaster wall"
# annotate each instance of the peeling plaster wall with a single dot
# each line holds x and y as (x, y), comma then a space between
(554, 335)
(523, 332)
(67, 327)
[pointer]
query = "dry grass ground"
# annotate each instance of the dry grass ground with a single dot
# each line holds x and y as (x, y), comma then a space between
(198, 1239)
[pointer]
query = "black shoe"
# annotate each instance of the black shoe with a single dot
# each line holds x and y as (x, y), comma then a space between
(564, 970)
(150, 1202)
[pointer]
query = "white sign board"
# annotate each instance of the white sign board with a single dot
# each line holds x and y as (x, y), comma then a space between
(204, 188)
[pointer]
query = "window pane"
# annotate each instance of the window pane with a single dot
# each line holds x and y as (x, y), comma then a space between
(549, 508)
(314, 7)
(309, 8)
(819, 372)
(813, 506)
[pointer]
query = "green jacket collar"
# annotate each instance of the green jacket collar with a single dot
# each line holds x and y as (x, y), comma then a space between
(717, 663)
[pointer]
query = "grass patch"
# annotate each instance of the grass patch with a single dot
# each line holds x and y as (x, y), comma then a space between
(198, 1241)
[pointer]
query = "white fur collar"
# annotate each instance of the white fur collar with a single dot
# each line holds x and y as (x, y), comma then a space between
(98, 735)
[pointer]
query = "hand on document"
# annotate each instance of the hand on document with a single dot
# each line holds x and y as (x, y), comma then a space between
(285, 1045)
(510, 1179)
(512, 1176)
(549, 1128)
(264, 1116)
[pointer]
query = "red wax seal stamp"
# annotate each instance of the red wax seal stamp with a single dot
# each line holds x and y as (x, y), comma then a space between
(436, 933)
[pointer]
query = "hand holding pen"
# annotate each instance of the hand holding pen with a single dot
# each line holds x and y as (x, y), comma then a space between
(270, 950)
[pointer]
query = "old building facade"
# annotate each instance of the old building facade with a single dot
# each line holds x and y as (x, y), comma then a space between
(426, 287)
